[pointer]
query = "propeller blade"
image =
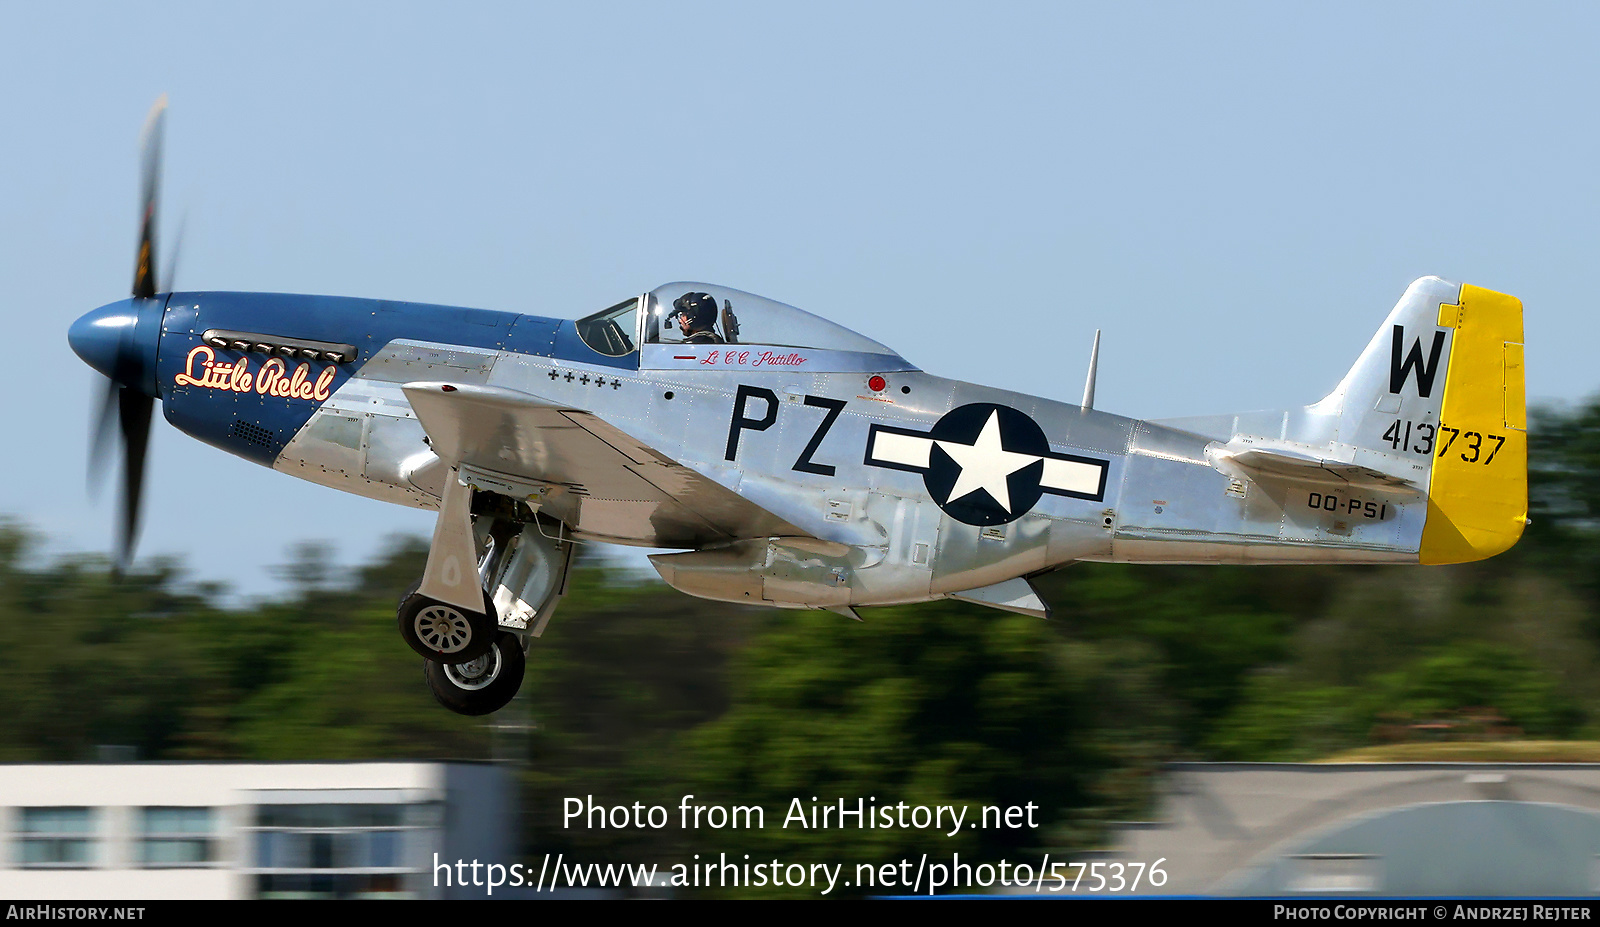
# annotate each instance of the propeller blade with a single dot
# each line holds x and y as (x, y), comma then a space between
(101, 431)
(171, 274)
(133, 412)
(134, 408)
(144, 272)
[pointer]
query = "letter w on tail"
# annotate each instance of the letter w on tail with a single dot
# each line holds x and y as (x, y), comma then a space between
(1400, 368)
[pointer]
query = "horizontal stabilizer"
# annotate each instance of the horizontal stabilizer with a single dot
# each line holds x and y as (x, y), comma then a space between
(1013, 595)
(1299, 466)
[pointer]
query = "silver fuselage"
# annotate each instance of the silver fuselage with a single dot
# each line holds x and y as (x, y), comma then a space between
(1164, 500)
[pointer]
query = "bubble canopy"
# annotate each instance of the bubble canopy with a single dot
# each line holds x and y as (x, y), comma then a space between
(725, 316)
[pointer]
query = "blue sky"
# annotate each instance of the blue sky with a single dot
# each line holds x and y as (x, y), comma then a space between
(1235, 193)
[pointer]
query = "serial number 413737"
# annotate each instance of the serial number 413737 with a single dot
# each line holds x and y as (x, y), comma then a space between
(1419, 438)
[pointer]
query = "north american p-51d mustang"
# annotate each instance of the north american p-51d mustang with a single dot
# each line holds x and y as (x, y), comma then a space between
(793, 462)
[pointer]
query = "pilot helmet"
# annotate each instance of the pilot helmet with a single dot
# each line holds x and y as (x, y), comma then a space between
(701, 308)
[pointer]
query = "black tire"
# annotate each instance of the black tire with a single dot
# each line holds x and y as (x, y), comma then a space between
(481, 686)
(442, 632)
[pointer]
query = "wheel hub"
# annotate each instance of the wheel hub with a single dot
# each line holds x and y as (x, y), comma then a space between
(443, 628)
(475, 674)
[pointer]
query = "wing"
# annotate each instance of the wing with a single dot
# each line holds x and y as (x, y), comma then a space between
(573, 466)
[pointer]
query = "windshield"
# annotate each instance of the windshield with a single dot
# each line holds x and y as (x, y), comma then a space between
(611, 331)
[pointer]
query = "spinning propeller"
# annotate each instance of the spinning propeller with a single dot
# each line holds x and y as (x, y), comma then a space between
(119, 340)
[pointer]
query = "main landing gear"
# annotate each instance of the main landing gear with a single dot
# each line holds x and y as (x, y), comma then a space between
(473, 661)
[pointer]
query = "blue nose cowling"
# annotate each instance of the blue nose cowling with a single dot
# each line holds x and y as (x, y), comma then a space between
(120, 340)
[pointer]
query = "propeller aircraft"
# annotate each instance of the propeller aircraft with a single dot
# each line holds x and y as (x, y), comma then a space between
(790, 461)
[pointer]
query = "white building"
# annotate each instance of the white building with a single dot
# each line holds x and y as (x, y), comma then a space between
(248, 830)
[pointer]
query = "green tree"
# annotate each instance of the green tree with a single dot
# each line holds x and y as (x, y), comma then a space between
(932, 704)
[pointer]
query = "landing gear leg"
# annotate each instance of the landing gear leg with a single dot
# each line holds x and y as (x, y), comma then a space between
(448, 616)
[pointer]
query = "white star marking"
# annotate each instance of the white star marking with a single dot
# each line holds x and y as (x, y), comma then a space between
(985, 464)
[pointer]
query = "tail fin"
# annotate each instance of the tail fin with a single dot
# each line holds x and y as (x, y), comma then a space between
(1441, 386)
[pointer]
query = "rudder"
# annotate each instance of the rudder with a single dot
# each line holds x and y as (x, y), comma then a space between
(1478, 493)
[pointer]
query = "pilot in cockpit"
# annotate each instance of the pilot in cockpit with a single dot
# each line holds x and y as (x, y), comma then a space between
(696, 315)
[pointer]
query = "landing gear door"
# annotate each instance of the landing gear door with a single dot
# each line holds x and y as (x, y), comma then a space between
(532, 578)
